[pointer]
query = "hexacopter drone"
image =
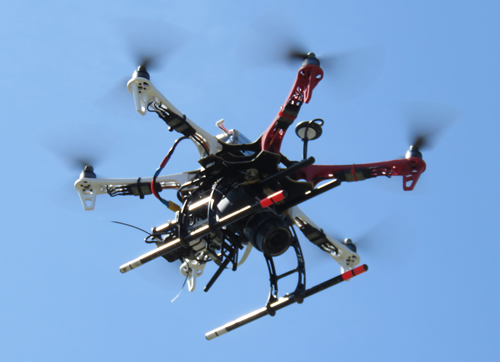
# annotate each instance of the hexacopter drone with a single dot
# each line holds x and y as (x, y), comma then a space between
(245, 195)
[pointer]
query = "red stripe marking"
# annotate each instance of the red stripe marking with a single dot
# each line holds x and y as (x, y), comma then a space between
(356, 271)
(281, 114)
(353, 171)
(271, 199)
(348, 275)
(278, 196)
(266, 202)
(153, 189)
(165, 160)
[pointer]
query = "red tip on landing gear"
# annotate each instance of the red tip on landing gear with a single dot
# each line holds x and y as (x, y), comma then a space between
(356, 271)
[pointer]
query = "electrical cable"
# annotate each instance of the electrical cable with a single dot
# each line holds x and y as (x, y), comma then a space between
(132, 226)
(201, 142)
(162, 166)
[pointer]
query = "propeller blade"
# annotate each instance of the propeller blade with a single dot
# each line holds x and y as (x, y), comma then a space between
(151, 44)
(380, 240)
(77, 158)
(291, 51)
(294, 54)
(78, 145)
(269, 41)
(351, 71)
(427, 121)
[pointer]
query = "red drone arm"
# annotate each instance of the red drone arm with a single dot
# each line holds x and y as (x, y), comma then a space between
(308, 77)
(410, 168)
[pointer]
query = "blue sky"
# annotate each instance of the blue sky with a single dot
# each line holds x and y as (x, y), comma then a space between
(432, 289)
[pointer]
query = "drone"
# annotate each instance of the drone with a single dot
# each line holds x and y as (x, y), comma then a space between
(245, 195)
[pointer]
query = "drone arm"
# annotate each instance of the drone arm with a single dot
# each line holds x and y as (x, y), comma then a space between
(345, 257)
(307, 78)
(89, 188)
(145, 95)
(410, 168)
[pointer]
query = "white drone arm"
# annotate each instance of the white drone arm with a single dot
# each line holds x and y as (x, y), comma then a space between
(145, 93)
(89, 188)
(346, 258)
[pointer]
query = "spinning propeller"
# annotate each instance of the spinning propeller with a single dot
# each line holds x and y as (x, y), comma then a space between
(147, 49)
(427, 121)
(347, 72)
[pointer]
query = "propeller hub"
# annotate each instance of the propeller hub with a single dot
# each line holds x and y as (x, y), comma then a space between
(141, 72)
(88, 172)
(350, 245)
(310, 59)
(413, 152)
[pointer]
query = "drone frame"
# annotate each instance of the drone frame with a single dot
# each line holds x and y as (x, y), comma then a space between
(284, 189)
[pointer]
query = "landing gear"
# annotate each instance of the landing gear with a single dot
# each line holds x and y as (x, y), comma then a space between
(284, 302)
(274, 277)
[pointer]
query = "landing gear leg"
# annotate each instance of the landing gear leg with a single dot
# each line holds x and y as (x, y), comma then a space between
(274, 277)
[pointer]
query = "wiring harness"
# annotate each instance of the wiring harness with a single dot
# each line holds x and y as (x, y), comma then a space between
(168, 204)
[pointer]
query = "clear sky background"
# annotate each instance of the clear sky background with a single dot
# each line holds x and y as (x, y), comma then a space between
(432, 289)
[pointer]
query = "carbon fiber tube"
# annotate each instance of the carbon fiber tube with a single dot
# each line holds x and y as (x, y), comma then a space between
(203, 230)
(283, 302)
